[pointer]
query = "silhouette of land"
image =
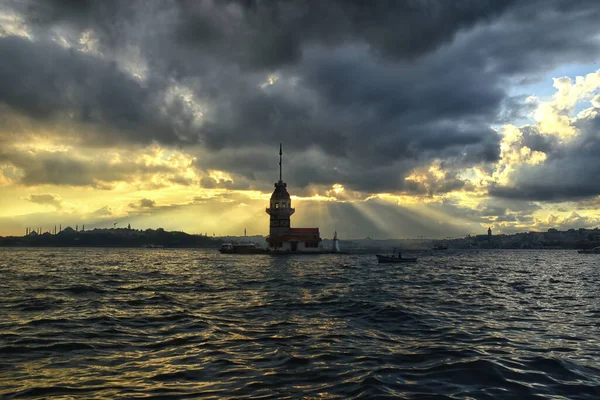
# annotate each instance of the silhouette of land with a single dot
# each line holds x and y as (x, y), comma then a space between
(126, 237)
(551, 239)
(121, 237)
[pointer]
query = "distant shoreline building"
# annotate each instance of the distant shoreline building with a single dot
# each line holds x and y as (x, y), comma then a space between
(282, 237)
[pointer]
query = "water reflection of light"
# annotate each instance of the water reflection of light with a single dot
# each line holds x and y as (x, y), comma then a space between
(194, 322)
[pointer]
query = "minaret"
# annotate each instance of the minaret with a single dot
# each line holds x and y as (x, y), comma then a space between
(280, 209)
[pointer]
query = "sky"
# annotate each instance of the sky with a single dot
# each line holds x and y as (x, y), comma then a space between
(398, 119)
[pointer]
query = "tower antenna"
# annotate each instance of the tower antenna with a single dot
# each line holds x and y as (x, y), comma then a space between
(280, 153)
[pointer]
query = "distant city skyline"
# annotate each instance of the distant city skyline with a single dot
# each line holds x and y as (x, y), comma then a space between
(417, 119)
(595, 232)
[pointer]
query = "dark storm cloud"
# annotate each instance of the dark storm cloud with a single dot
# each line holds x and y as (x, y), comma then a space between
(46, 81)
(269, 34)
(110, 19)
(262, 34)
(378, 88)
(42, 79)
(538, 35)
(570, 171)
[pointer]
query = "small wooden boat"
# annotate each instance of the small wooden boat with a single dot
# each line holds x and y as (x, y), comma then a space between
(595, 250)
(396, 257)
(393, 259)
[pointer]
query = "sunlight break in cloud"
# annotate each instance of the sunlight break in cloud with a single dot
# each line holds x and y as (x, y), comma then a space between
(555, 117)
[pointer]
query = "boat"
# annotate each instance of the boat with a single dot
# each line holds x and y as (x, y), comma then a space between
(439, 246)
(595, 250)
(396, 257)
(241, 248)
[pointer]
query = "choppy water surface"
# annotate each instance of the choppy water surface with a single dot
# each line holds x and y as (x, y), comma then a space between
(128, 323)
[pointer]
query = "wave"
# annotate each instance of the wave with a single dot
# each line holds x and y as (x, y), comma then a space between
(127, 324)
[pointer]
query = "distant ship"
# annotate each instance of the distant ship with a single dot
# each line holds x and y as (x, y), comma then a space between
(595, 250)
(440, 246)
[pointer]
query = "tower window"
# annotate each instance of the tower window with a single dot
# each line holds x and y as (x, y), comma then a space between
(276, 205)
(283, 205)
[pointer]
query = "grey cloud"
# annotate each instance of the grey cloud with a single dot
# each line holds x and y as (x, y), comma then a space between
(271, 34)
(110, 20)
(547, 189)
(515, 110)
(260, 34)
(539, 142)
(146, 203)
(45, 81)
(46, 167)
(489, 212)
(570, 171)
(208, 183)
(102, 212)
(535, 36)
(237, 184)
(48, 198)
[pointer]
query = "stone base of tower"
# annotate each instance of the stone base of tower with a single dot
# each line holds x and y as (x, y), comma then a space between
(296, 240)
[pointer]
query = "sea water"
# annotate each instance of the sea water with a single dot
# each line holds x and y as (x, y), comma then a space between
(161, 323)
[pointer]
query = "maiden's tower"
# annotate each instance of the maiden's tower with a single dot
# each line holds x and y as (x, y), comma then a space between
(282, 237)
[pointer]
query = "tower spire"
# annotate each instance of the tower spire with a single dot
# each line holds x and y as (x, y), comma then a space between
(280, 153)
